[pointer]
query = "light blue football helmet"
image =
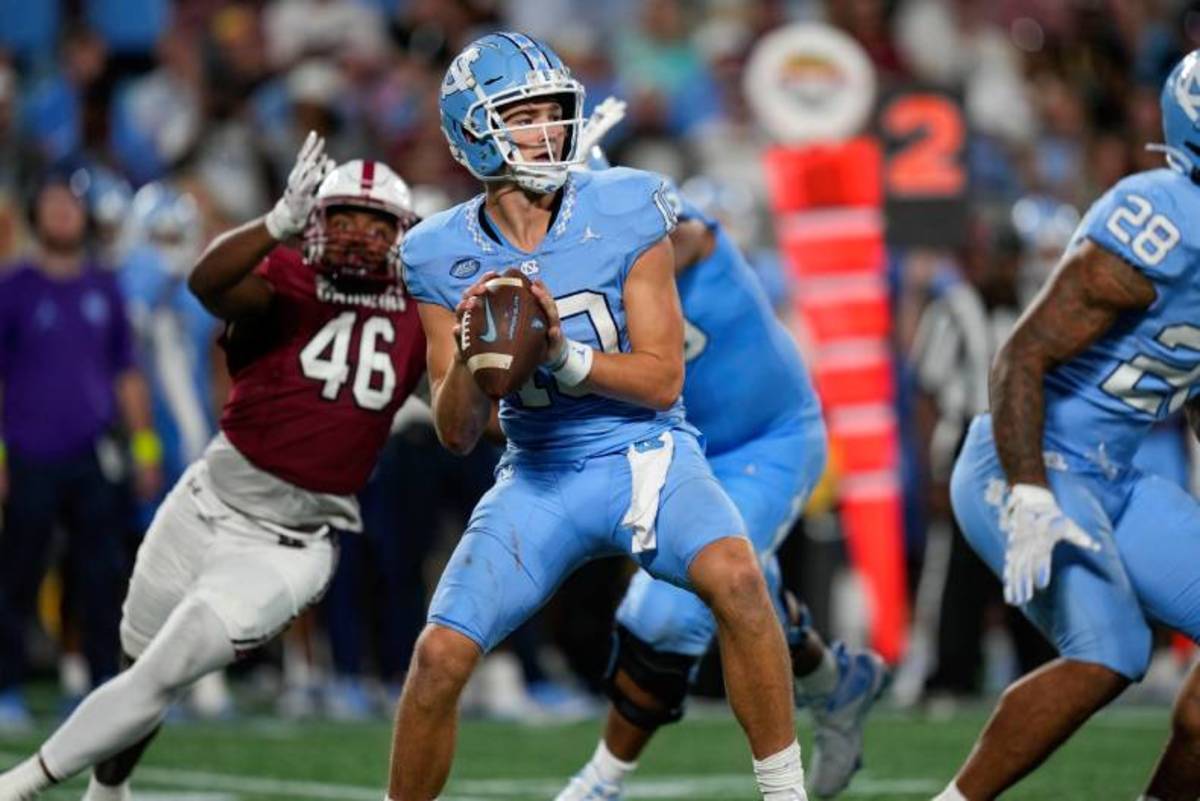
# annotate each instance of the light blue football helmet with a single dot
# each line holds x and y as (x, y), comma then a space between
(168, 220)
(497, 70)
(1180, 102)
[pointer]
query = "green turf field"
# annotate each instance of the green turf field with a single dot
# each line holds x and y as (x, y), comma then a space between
(908, 757)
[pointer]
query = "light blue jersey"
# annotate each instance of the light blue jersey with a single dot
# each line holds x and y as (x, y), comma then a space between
(1100, 407)
(744, 371)
(175, 338)
(584, 476)
(749, 393)
(604, 223)
(1101, 404)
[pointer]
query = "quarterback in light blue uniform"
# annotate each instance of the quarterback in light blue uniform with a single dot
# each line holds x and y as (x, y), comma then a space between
(565, 483)
(600, 460)
(1115, 339)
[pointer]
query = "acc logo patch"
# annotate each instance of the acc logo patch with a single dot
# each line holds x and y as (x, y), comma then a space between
(464, 268)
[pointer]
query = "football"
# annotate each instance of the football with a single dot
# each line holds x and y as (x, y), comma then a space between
(504, 335)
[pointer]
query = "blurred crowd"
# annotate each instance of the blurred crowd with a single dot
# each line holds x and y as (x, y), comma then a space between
(171, 121)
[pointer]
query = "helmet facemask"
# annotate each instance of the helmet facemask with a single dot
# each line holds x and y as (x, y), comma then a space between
(357, 256)
(485, 119)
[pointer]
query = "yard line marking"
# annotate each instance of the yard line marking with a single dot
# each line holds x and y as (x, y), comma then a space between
(241, 784)
(710, 786)
(724, 786)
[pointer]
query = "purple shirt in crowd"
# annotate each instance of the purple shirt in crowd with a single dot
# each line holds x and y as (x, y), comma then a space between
(62, 345)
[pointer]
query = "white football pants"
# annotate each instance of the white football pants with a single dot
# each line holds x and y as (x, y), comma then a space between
(210, 583)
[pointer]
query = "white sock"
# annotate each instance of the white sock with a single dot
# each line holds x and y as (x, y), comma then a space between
(951, 793)
(781, 776)
(608, 768)
(1147, 798)
(822, 680)
(103, 792)
(27, 778)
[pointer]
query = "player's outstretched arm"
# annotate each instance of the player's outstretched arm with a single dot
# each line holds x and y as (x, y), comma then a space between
(1079, 303)
(223, 278)
(651, 374)
(461, 410)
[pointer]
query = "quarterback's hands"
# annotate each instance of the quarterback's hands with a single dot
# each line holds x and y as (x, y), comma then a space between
(290, 213)
(1034, 524)
(555, 341)
(469, 301)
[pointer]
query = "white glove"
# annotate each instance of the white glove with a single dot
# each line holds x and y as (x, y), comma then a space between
(604, 117)
(290, 213)
(1034, 525)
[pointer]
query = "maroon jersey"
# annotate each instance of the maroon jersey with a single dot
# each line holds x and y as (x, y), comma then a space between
(317, 380)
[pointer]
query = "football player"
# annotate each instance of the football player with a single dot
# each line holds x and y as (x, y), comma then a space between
(768, 457)
(600, 460)
(1108, 347)
(323, 346)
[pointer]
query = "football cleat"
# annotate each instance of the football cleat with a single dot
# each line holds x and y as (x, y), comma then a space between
(587, 786)
(839, 719)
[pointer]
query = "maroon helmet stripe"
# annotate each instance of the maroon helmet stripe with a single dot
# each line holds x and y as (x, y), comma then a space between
(368, 176)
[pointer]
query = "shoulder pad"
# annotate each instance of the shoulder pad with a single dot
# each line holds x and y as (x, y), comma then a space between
(1142, 219)
(430, 251)
(632, 201)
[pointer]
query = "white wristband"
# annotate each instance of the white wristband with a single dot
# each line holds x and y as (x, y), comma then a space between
(576, 364)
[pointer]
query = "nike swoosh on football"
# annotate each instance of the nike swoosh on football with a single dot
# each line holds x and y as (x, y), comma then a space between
(489, 335)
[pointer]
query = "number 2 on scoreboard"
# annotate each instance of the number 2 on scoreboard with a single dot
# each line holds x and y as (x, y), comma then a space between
(929, 165)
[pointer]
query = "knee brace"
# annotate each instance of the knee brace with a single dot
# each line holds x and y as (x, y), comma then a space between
(662, 674)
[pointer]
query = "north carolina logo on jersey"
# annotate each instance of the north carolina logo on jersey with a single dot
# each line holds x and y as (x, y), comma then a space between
(464, 268)
(1187, 87)
(530, 267)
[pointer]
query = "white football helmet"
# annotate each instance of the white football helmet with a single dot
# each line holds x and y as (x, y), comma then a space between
(358, 184)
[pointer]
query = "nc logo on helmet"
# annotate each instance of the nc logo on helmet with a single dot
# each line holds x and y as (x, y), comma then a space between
(1187, 92)
(459, 77)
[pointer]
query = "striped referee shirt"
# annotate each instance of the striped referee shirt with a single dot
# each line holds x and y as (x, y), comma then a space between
(957, 339)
